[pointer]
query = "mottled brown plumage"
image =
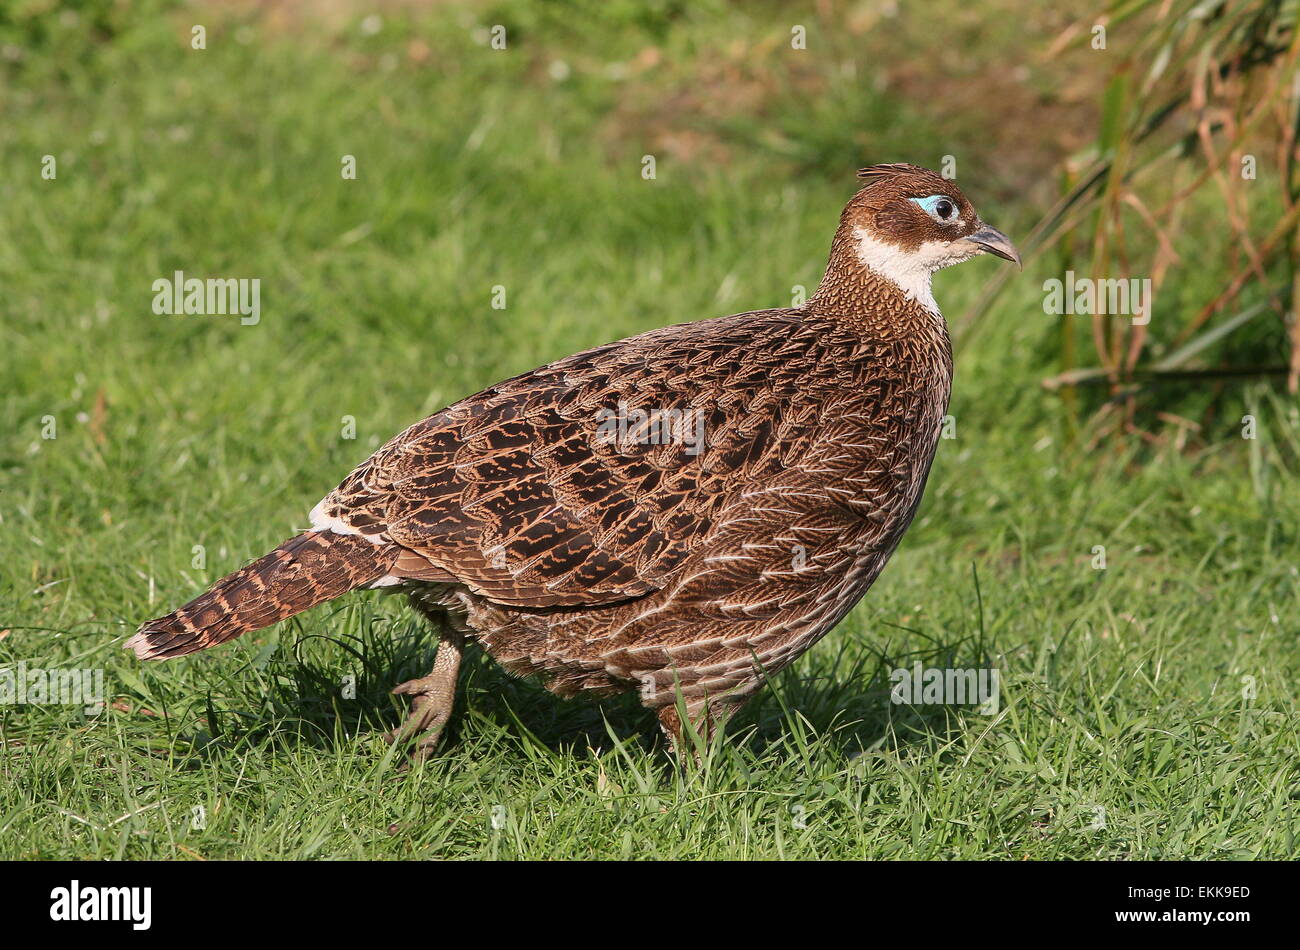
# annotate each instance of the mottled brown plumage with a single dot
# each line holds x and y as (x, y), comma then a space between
(603, 550)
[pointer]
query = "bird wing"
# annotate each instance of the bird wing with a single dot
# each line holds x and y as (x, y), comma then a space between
(569, 485)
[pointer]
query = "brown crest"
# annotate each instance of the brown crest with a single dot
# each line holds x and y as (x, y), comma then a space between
(876, 173)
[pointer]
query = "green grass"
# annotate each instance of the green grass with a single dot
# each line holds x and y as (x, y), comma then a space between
(1124, 730)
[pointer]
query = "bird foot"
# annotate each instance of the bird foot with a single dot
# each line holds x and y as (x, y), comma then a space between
(430, 710)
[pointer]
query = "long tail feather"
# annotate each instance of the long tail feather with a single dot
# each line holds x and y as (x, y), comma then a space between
(304, 571)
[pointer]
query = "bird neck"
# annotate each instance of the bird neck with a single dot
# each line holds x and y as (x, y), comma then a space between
(872, 283)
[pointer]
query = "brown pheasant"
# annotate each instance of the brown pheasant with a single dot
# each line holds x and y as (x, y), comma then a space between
(682, 513)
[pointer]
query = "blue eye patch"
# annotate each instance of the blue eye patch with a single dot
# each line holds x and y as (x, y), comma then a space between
(929, 203)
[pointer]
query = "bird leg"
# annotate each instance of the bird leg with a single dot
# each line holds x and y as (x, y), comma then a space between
(434, 695)
(670, 721)
(705, 720)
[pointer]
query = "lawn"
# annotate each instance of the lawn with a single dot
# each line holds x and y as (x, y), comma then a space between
(1148, 701)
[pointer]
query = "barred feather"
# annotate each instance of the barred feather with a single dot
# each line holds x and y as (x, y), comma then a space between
(304, 571)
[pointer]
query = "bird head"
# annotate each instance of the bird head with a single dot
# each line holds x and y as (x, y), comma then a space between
(906, 222)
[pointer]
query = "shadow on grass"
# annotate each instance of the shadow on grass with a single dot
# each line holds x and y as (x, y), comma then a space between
(849, 703)
(330, 690)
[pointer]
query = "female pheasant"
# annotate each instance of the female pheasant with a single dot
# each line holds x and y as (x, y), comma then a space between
(682, 513)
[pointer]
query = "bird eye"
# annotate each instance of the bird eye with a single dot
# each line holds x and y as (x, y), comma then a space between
(939, 207)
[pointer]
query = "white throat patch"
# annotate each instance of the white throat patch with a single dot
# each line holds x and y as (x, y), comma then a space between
(910, 271)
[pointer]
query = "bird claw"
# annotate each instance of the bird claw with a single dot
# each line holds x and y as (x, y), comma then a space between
(424, 725)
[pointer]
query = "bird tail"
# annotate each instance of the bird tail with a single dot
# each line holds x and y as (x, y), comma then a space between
(304, 571)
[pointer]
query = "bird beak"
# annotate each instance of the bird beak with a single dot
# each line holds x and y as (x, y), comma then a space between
(994, 242)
